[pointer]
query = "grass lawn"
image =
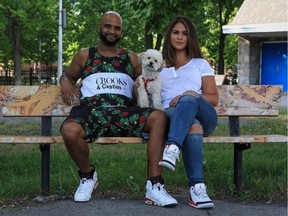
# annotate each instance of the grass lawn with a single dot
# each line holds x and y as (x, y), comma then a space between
(122, 168)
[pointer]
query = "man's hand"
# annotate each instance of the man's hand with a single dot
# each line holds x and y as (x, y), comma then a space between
(68, 92)
(136, 86)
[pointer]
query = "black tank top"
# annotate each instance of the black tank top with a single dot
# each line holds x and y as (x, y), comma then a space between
(96, 63)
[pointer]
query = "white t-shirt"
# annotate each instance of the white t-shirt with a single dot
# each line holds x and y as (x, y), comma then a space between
(187, 77)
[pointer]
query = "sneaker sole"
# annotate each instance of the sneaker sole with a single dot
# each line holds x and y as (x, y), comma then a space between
(151, 202)
(168, 165)
(94, 189)
(201, 205)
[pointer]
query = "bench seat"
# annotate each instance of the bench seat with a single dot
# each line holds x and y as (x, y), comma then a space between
(243, 139)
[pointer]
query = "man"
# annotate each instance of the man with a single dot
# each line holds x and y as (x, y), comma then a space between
(107, 76)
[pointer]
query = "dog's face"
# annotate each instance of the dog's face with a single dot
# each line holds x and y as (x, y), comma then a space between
(152, 60)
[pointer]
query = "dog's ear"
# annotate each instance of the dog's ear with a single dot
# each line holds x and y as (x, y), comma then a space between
(161, 66)
(140, 57)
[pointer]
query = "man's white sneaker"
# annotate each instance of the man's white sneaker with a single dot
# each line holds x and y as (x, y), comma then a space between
(199, 197)
(85, 189)
(157, 195)
(170, 154)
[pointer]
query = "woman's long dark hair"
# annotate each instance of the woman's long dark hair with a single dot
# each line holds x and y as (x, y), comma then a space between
(193, 47)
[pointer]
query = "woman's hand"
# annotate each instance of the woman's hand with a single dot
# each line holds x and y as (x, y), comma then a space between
(191, 92)
(174, 101)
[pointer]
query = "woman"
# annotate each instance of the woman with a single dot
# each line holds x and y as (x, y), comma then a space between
(188, 95)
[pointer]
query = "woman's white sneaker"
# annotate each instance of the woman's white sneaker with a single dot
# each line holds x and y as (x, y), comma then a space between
(170, 155)
(157, 195)
(199, 197)
(85, 189)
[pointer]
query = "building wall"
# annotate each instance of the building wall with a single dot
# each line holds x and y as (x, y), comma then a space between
(255, 60)
(243, 61)
(249, 58)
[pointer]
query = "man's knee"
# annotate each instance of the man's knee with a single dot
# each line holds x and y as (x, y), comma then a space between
(72, 131)
(158, 120)
(196, 129)
(158, 117)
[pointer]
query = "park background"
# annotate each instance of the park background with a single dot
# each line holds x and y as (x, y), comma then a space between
(29, 32)
(29, 48)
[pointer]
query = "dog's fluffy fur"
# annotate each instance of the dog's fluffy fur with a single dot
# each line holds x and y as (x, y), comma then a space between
(150, 82)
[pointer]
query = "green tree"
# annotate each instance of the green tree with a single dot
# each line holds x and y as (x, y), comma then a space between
(29, 31)
(82, 25)
(214, 14)
(27, 24)
(154, 17)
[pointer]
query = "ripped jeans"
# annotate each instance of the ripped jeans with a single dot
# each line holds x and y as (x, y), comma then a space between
(188, 111)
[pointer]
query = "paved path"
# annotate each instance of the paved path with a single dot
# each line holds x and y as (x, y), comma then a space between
(123, 207)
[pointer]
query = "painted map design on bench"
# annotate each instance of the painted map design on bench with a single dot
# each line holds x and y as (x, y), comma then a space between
(33, 101)
(245, 100)
(235, 100)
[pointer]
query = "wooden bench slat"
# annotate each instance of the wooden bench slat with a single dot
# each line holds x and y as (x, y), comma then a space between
(136, 140)
(247, 139)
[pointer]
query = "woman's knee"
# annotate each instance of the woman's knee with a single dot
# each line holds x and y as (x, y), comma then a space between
(188, 98)
(196, 129)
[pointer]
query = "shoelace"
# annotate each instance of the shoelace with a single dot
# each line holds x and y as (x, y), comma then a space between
(83, 186)
(202, 192)
(161, 188)
(172, 155)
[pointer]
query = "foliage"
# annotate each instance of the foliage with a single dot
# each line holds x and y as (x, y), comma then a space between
(28, 29)
(231, 51)
(209, 21)
(35, 26)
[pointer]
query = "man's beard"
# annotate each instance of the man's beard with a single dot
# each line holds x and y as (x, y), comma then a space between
(108, 42)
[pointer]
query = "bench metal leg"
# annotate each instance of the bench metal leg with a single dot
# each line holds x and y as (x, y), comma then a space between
(45, 169)
(238, 169)
(238, 164)
(46, 130)
(234, 127)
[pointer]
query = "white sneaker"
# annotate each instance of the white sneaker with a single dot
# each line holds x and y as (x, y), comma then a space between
(85, 189)
(170, 154)
(199, 197)
(157, 195)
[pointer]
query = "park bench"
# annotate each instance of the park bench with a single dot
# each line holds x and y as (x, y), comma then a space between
(235, 101)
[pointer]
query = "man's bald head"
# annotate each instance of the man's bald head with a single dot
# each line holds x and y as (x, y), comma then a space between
(109, 13)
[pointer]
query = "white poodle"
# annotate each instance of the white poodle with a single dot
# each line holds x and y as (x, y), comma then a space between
(150, 82)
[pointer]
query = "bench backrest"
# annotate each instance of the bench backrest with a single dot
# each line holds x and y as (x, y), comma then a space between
(234, 100)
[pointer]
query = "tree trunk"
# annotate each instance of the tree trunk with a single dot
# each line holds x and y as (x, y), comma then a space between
(17, 67)
(221, 39)
(15, 35)
(158, 41)
(148, 37)
(17, 59)
(221, 54)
